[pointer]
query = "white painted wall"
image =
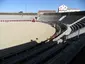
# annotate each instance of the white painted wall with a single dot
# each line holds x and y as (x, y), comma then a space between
(68, 11)
(81, 31)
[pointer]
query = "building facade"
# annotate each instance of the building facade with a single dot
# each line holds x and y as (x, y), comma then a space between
(64, 8)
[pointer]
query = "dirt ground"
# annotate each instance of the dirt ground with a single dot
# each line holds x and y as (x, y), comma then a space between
(16, 33)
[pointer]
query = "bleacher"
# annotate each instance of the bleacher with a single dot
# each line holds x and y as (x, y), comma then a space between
(48, 18)
(72, 17)
(69, 19)
(78, 25)
(43, 53)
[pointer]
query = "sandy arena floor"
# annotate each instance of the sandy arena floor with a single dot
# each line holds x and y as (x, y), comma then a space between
(16, 33)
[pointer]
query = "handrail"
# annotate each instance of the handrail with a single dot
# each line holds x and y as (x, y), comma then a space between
(77, 21)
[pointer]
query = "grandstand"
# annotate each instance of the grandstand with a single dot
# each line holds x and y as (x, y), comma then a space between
(63, 47)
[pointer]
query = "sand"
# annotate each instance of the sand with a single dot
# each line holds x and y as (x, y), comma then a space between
(16, 33)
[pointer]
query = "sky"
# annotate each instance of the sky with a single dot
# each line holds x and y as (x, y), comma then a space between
(36, 5)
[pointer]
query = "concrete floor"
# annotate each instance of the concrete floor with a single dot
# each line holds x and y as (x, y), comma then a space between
(16, 33)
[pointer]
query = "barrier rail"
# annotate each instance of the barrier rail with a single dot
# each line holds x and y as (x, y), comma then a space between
(14, 20)
(67, 32)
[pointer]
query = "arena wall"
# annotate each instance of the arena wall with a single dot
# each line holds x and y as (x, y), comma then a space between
(17, 17)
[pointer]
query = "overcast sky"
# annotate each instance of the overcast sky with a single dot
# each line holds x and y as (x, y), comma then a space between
(36, 5)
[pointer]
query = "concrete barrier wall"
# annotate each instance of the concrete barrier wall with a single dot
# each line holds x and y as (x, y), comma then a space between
(81, 31)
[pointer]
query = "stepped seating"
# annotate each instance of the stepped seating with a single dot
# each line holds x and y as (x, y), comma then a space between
(6, 53)
(28, 53)
(16, 49)
(78, 25)
(45, 53)
(79, 58)
(48, 18)
(67, 54)
(69, 19)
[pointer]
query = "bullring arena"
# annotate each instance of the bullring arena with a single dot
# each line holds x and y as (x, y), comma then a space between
(17, 33)
(53, 39)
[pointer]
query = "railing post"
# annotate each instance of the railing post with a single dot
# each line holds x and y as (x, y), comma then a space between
(78, 33)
